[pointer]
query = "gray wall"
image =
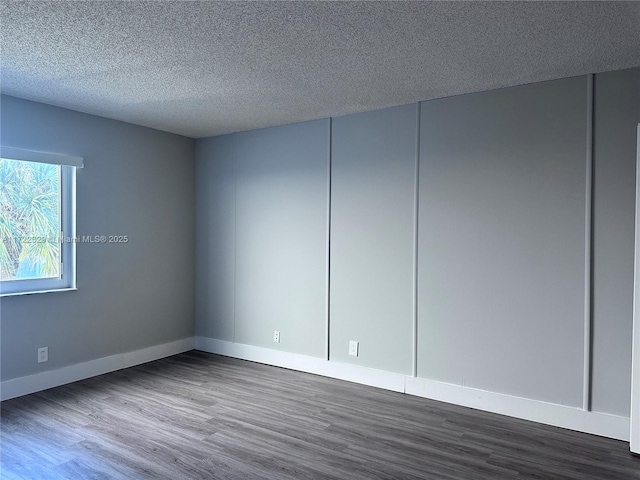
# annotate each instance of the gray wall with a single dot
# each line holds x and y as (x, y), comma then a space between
(502, 232)
(136, 182)
(501, 238)
(270, 186)
(215, 237)
(617, 112)
(281, 232)
(373, 166)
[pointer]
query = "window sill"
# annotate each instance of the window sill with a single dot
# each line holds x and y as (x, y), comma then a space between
(16, 294)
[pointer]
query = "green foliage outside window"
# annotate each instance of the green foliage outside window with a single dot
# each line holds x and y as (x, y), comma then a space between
(29, 220)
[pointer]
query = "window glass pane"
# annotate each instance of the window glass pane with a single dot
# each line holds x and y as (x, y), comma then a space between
(29, 220)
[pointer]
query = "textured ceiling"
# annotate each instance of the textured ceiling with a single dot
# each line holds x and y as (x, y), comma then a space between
(206, 68)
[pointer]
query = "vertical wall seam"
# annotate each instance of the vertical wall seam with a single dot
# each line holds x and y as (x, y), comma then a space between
(416, 219)
(328, 247)
(634, 436)
(234, 158)
(588, 253)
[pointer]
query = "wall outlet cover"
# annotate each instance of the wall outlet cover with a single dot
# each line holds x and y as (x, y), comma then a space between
(43, 354)
(353, 348)
(276, 336)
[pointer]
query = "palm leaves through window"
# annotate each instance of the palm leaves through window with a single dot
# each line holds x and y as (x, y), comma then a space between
(29, 220)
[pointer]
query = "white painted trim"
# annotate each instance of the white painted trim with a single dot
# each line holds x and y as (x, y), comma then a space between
(416, 225)
(304, 363)
(588, 232)
(552, 414)
(235, 232)
(12, 153)
(327, 306)
(635, 364)
(53, 378)
(33, 292)
(571, 418)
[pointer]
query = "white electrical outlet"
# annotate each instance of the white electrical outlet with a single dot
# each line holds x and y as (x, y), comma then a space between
(353, 348)
(43, 354)
(276, 336)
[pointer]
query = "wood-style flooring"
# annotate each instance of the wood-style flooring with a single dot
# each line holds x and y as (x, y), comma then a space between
(198, 415)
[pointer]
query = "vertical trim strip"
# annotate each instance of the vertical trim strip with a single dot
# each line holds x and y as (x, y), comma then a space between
(328, 247)
(235, 232)
(416, 219)
(635, 364)
(588, 252)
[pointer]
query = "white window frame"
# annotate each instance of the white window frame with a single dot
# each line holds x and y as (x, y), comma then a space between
(67, 279)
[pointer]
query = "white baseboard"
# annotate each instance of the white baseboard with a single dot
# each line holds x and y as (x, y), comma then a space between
(571, 418)
(53, 378)
(304, 363)
(602, 424)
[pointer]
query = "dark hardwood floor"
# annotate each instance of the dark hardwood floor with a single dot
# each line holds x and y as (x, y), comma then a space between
(197, 415)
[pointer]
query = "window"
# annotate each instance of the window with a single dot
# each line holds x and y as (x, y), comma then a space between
(37, 221)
